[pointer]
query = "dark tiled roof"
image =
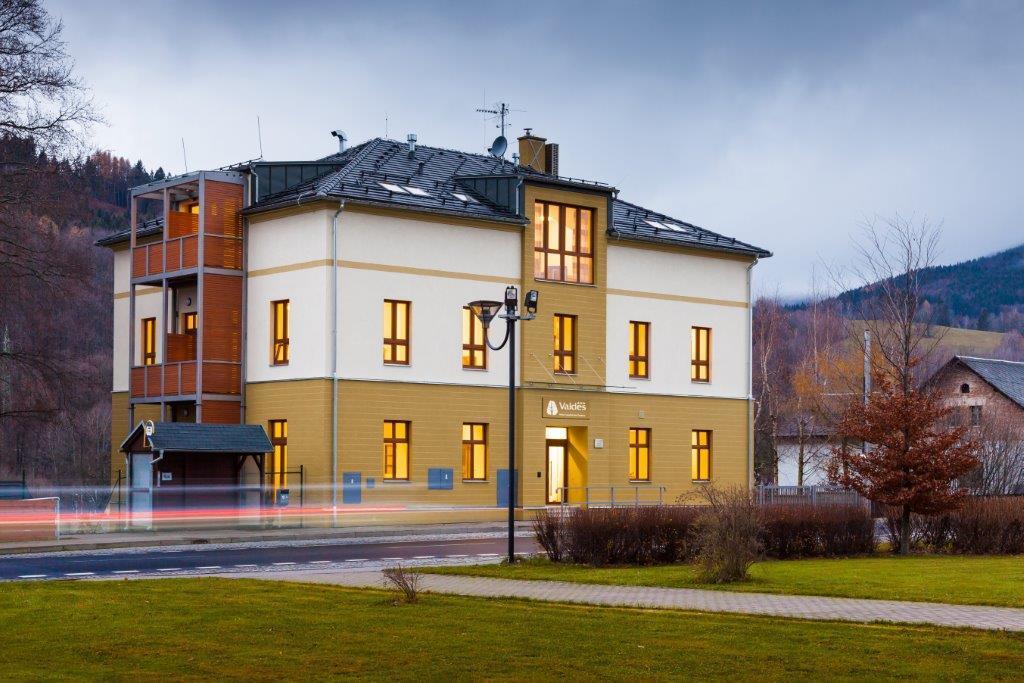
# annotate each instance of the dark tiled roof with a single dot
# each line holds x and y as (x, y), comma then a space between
(437, 175)
(630, 221)
(208, 438)
(151, 227)
(1006, 376)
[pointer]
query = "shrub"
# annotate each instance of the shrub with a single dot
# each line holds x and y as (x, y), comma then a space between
(982, 526)
(603, 536)
(791, 531)
(728, 532)
(404, 582)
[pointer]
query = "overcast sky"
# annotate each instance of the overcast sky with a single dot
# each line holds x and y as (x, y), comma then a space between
(783, 125)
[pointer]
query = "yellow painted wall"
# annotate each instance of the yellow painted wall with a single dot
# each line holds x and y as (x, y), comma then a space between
(588, 302)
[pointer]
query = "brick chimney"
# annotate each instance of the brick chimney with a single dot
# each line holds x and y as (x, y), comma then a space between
(537, 153)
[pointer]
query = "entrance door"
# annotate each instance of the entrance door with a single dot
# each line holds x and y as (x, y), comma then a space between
(558, 457)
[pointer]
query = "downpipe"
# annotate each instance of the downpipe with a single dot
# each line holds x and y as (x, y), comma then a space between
(334, 363)
(750, 374)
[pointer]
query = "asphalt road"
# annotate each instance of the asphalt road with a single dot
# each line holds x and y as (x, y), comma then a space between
(251, 557)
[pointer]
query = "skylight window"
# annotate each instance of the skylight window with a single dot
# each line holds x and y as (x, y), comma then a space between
(416, 191)
(676, 228)
(397, 189)
(464, 198)
(662, 225)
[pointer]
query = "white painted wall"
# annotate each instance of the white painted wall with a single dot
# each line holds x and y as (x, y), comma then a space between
(308, 292)
(665, 272)
(289, 240)
(816, 453)
(670, 346)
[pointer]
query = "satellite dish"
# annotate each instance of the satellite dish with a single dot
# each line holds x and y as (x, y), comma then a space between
(149, 427)
(498, 147)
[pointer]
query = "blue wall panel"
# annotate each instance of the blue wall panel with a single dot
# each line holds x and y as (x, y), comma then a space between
(351, 488)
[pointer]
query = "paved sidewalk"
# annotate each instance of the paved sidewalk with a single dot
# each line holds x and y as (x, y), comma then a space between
(795, 606)
(176, 537)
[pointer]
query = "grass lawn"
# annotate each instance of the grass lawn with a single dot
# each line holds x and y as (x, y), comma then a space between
(952, 579)
(225, 628)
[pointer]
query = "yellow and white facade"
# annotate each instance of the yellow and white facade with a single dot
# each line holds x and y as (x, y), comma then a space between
(376, 334)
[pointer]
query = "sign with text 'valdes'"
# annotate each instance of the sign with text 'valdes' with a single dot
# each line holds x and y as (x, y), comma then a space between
(565, 408)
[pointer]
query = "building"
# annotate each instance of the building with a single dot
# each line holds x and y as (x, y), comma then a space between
(325, 300)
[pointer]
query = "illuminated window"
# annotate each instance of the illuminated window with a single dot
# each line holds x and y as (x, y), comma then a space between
(280, 314)
(700, 455)
(565, 344)
(149, 341)
(190, 323)
(563, 243)
(639, 454)
(474, 451)
(700, 354)
(396, 449)
(474, 349)
(396, 332)
(639, 349)
(277, 468)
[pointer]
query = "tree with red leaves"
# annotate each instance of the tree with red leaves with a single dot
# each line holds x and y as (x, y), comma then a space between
(913, 458)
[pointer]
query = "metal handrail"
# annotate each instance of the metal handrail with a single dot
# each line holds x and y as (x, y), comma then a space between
(628, 501)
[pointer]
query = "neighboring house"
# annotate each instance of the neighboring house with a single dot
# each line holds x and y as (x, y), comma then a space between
(988, 395)
(817, 448)
(325, 300)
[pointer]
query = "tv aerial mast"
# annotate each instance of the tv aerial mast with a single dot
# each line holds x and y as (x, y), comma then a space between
(501, 111)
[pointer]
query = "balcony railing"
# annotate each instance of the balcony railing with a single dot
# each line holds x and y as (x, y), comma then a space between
(181, 253)
(179, 379)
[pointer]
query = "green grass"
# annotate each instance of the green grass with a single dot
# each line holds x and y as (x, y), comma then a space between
(951, 579)
(240, 629)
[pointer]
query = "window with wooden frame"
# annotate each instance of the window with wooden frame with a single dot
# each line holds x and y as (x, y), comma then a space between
(639, 349)
(639, 454)
(700, 455)
(474, 346)
(474, 451)
(396, 450)
(190, 323)
(564, 352)
(700, 354)
(149, 341)
(280, 314)
(276, 470)
(396, 331)
(563, 243)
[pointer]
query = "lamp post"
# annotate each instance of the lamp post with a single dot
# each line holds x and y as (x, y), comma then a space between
(485, 311)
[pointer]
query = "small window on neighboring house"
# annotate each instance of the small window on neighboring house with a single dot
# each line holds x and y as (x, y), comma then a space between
(149, 341)
(277, 468)
(700, 455)
(190, 323)
(975, 416)
(474, 451)
(474, 348)
(564, 344)
(396, 332)
(700, 354)
(965, 388)
(639, 454)
(639, 349)
(396, 449)
(280, 324)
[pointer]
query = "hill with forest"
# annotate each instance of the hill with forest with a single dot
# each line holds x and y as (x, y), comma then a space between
(985, 293)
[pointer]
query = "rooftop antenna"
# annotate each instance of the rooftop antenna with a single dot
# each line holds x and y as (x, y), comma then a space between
(259, 135)
(385, 125)
(500, 111)
(183, 155)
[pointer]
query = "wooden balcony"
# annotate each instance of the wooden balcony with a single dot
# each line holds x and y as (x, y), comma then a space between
(179, 379)
(182, 253)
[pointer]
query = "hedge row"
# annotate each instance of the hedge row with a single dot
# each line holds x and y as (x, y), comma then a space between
(982, 526)
(667, 534)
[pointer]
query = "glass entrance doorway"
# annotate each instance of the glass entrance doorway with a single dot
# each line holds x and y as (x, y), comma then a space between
(557, 446)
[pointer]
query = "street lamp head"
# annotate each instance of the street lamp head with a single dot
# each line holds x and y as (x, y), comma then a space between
(485, 310)
(511, 298)
(530, 301)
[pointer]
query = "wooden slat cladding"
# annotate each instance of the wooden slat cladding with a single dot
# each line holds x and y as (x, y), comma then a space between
(223, 252)
(138, 261)
(221, 326)
(180, 223)
(137, 382)
(222, 378)
(155, 257)
(153, 384)
(180, 347)
(222, 412)
(223, 204)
